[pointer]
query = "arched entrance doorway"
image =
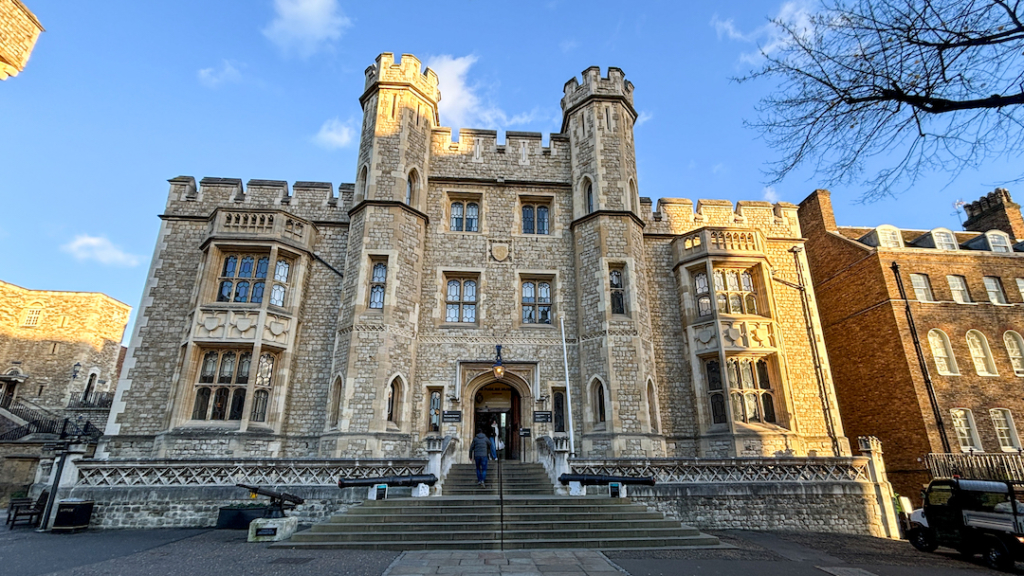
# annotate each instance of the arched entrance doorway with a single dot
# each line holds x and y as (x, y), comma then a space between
(497, 408)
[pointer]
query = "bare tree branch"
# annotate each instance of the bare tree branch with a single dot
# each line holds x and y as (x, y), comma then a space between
(931, 84)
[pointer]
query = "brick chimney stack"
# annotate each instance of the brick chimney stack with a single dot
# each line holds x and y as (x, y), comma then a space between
(995, 211)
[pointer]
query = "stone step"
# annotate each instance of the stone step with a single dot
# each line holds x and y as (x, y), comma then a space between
(493, 524)
(509, 517)
(494, 534)
(702, 540)
(447, 501)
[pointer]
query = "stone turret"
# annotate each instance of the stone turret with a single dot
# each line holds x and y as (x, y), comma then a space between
(616, 351)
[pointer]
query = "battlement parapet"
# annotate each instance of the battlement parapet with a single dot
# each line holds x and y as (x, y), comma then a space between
(407, 71)
(594, 85)
(679, 216)
(314, 201)
(478, 143)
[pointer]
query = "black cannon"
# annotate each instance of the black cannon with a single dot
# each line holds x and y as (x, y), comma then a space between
(428, 479)
(279, 501)
(600, 479)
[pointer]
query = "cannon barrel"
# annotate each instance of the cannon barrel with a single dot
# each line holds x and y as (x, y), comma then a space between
(428, 479)
(599, 479)
(283, 496)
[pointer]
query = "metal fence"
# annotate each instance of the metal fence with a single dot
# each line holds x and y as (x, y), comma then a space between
(1009, 466)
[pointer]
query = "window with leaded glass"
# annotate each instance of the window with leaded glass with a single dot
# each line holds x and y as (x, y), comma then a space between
(378, 282)
(1006, 432)
(966, 433)
(1015, 349)
(536, 302)
(460, 300)
(702, 290)
(243, 278)
(994, 288)
(980, 353)
(735, 291)
(617, 286)
(750, 390)
(558, 401)
(713, 370)
(229, 371)
(535, 218)
(465, 216)
(942, 353)
(264, 383)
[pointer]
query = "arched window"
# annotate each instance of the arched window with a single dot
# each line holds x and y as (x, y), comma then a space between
(652, 406)
(617, 287)
(361, 184)
(981, 354)
(942, 353)
(1006, 432)
(336, 399)
(944, 239)
(703, 292)
(411, 184)
(599, 409)
(1015, 348)
(89, 387)
(378, 279)
(589, 196)
(998, 241)
(559, 410)
(394, 400)
(634, 197)
(889, 237)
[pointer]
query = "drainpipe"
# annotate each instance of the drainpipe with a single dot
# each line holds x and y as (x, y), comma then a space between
(920, 359)
(568, 393)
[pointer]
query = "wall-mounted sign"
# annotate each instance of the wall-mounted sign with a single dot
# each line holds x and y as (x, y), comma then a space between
(524, 432)
(542, 415)
(451, 416)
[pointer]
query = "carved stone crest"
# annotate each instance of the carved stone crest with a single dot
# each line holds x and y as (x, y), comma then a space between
(500, 251)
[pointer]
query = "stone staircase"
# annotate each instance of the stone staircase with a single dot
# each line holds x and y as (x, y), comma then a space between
(470, 517)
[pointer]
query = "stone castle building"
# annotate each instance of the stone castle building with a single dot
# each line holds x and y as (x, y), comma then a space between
(59, 349)
(937, 367)
(19, 30)
(302, 321)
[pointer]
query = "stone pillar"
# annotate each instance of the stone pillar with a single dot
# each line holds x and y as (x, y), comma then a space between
(872, 448)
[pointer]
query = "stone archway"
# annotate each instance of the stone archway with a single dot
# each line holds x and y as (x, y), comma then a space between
(506, 401)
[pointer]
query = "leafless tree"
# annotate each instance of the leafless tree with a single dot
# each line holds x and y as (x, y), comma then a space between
(918, 85)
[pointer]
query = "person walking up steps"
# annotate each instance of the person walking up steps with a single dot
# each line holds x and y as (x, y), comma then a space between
(479, 450)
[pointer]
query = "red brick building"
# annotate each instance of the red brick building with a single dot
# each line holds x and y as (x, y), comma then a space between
(937, 367)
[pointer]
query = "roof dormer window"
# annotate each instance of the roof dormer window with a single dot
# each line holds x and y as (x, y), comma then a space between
(944, 239)
(998, 241)
(889, 237)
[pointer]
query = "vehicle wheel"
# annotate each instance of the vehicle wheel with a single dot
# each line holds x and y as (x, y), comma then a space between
(997, 557)
(923, 539)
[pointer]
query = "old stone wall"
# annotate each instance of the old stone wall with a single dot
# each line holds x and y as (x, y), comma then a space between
(20, 29)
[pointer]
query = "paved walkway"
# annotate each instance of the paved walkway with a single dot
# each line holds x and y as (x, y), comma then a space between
(519, 563)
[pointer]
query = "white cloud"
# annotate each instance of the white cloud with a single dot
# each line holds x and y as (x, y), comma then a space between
(718, 168)
(643, 117)
(769, 193)
(85, 247)
(768, 37)
(462, 105)
(214, 77)
(304, 27)
(335, 134)
(568, 45)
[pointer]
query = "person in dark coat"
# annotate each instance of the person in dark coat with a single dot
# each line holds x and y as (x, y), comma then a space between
(479, 450)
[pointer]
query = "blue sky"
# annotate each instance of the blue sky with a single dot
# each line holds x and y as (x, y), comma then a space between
(119, 96)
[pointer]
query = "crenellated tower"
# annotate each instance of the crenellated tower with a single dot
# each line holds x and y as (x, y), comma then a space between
(620, 389)
(376, 348)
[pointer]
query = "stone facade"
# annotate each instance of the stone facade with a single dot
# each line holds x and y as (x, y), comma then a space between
(380, 304)
(19, 30)
(961, 389)
(44, 335)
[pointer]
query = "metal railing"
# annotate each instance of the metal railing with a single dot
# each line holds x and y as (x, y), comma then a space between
(95, 400)
(983, 466)
(64, 428)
